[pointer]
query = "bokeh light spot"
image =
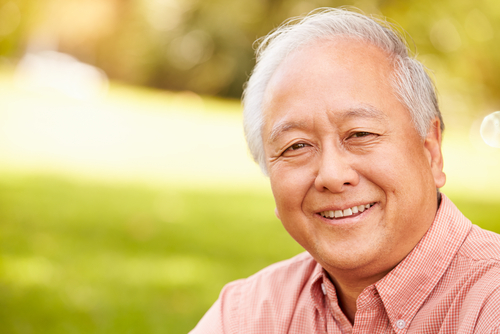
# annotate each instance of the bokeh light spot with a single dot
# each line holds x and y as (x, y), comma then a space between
(490, 129)
(445, 36)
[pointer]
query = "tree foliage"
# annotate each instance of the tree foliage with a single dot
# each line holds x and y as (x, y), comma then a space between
(206, 46)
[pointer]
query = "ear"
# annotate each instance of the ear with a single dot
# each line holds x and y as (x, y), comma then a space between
(432, 146)
(277, 213)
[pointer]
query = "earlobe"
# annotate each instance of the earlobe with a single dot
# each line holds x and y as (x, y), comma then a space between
(433, 147)
(277, 213)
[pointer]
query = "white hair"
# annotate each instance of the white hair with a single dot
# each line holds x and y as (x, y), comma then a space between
(413, 87)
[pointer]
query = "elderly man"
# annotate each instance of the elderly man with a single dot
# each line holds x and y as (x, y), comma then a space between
(347, 127)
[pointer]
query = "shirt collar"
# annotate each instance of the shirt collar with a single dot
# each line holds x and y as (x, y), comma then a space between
(325, 299)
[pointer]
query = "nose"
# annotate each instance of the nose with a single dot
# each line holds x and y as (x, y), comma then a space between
(335, 172)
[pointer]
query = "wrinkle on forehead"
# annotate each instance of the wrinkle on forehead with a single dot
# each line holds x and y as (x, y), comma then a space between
(365, 111)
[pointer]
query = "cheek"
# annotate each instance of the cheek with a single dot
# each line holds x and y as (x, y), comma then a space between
(283, 191)
(395, 167)
(381, 171)
(288, 196)
(403, 176)
(289, 186)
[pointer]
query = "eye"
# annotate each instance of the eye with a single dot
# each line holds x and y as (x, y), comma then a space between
(296, 146)
(360, 134)
(295, 149)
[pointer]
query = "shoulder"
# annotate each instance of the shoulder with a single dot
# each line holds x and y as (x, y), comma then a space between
(265, 300)
(269, 298)
(284, 275)
(481, 245)
(475, 243)
(479, 261)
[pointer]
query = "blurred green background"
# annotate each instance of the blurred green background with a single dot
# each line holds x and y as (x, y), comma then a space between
(127, 196)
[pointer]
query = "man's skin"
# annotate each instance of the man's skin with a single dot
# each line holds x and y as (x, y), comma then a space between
(336, 136)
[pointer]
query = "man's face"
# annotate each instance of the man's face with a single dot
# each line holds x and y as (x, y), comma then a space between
(337, 139)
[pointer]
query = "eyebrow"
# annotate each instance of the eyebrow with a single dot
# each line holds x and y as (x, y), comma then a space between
(282, 127)
(364, 111)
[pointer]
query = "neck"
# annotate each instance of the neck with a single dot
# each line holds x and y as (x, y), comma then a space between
(349, 288)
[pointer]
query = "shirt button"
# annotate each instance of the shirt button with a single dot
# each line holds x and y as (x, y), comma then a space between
(323, 289)
(400, 324)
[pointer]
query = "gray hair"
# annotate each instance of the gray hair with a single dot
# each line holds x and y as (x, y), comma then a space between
(413, 87)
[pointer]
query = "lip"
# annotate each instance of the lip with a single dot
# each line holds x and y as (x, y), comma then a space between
(354, 218)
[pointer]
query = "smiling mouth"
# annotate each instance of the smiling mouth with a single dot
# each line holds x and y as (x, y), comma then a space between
(335, 214)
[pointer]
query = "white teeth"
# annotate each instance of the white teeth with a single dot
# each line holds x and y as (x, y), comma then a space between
(346, 212)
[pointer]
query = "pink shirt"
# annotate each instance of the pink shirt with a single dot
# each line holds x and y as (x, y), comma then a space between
(449, 283)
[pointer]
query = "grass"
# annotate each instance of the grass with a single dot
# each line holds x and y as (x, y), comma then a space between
(88, 258)
(91, 258)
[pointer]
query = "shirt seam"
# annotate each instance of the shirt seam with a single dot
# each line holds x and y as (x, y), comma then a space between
(488, 259)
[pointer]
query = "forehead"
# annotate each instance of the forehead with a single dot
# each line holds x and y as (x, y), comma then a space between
(345, 58)
(344, 76)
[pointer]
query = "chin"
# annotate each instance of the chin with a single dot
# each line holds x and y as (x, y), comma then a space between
(350, 257)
